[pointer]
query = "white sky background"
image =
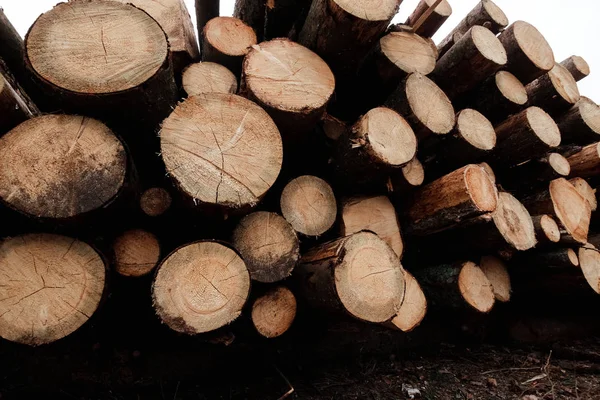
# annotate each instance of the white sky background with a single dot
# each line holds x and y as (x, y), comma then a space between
(569, 26)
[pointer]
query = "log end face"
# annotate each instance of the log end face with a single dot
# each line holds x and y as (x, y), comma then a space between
(533, 45)
(476, 288)
(584, 189)
(480, 188)
(489, 45)
(274, 312)
(564, 83)
(550, 228)
(413, 307)
(543, 126)
(413, 172)
(155, 201)
(443, 9)
(514, 222)
(511, 87)
(559, 164)
(429, 104)
(573, 258)
(497, 273)
(571, 209)
(136, 253)
(476, 129)
(208, 77)
(589, 261)
(409, 52)
(495, 13)
(230, 36)
(369, 10)
(590, 113)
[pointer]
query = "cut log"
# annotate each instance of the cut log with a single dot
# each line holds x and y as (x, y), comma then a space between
(359, 274)
(273, 313)
(12, 49)
(476, 56)
(546, 229)
(529, 55)
(486, 13)
(497, 97)
(581, 124)
(529, 134)
(589, 261)
(51, 286)
(136, 253)
(555, 258)
(66, 45)
(205, 11)
(410, 177)
(252, 12)
(282, 16)
(61, 166)
(435, 20)
(14, 109)
(562, 201)
(226, 40)
(343, 31)
(208, 77)
(489, 171)
(268, 244)
(309, 205)
(577, 66)
(586, 191)
(155, 201)
(496, 272)
(200, 287)
(460, 195)
(413, 307)
(586, 163)
(556, 91)
(533, 175)
(375, 214)
(454, 285)
(222, 150)
(424, 105)
(290, 82)
(333, 127)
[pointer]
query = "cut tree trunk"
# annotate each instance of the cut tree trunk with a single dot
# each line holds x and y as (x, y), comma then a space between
(155, 201)
(430, 26)
(309, 205)
(273, 313)
(424, 105)
(529, 55)
(566, 205)
(476, 56)
(252, 12)
(577, 66)
(488, 170)
(533, 175)
(222, 150)
(546, 229)
(445, 202)
(282, 16)
(136, 253)
(200, 287)
(226, 40)
(207, 10)
(413, 307)
(334, 128)
(581, 124)
(268, 244)
(497, 273)
(589, 261)
(208, 77)
(586, 191)
(52, 285)
(375, 214)
(410, 177)
(529, 134)
(486, 13)
(51, 167)
(555, 258)
(586, 162)
(556, 91)
(359, 274)
(290, 82)
(12, 49)
(457, 285)
(14, 109)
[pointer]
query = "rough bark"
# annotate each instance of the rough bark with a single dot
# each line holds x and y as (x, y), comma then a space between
(284, 15)
(12, 49)
(14, 108)
(586, 162)
(581, 124)
(226, 41)
(435, 20)
(555, 258)
(207, 10)
(533, 175)
(577, 66)
(556, 91)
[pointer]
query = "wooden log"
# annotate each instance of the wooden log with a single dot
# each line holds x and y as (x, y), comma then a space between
(424, 105)
(589, 261)
(333, 127)
(497, 273)
(14, 109)
(410, 177)
(566, 205)
(268, 244)
(529, 55)
(222, 150)
(252, 12)
(445, 202)
(556, 91)
(51, 286)
(12, 49)
(282, 16)
(523, 136)
(586, 191)
(309, 205)
(375, 214)
(205, 11)
(65, 47)
(489, 171)
(358, 274)
(554, 258)
(343, 31)
(546, 229)
(155, 201)
(200, 287)
(208, 77)
(290, 82)
(61, 167)
(586, 162)
(226, 41)
(581, 124)
(457, 285)
(577, 66)
(413, 308)
(136, 253)
(476, 56)
(486, 13)
(435, 20)
(532, 175)
(273, 313)
(497, 97)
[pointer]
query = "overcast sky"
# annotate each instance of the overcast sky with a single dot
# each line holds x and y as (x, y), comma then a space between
(569, 26)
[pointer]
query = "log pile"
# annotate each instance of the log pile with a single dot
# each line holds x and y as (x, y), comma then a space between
(312, 159)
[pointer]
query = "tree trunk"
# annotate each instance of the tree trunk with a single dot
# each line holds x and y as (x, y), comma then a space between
(273, 313)
(533, 175)
(555, 258)
(577, 66)
(497, 273)
(529, 55)
(226, 41)
(435, 20)
(407, 179)
(200, 287)
(208, 77)
(546, 229)
(55, 284)
(413, 308)
(586, 191)
(556, 91)
(284, 15)
(359, 274)
(14, 109)
(207, 10)
(252, 12)
(581, 124)
(136, 253)
(333, 127)
(268, 244)
(589, 261)
(586, 162)
(12, 49)
(476, 56)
